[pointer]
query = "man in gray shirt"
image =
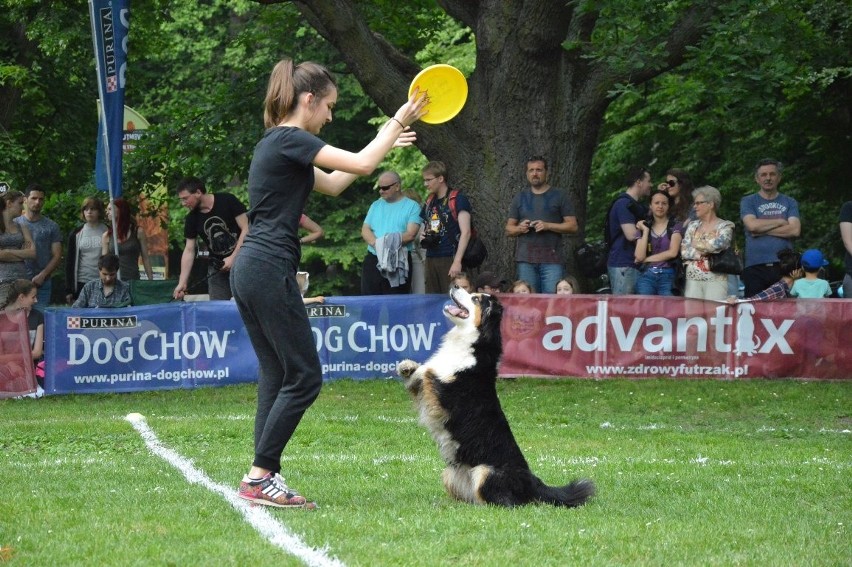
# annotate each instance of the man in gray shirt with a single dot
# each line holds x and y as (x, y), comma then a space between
(48, 243)
(538, 217)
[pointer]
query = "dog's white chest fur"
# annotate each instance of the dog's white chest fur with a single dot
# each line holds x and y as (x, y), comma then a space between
(454, 355)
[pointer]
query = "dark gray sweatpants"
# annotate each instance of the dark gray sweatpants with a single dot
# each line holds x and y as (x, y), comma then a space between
(274, 314)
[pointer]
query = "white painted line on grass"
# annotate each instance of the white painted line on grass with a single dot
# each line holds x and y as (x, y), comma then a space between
(257, 516)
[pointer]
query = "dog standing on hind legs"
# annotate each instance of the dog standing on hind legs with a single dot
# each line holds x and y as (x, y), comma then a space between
(456, 394)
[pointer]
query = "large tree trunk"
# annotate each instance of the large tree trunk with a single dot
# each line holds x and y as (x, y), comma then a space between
(528, 95)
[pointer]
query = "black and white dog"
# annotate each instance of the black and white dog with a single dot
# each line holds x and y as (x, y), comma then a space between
(456, 394)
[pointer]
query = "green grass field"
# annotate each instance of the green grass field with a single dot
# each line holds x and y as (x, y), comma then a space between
(688, 473)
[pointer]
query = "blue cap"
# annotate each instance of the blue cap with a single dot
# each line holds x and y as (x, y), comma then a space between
(813, 259)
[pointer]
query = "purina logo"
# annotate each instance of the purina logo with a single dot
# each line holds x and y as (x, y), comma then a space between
(101, 322)
(326, 310)
(110, 68)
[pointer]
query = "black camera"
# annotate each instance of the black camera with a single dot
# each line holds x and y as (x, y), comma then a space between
(430, 240)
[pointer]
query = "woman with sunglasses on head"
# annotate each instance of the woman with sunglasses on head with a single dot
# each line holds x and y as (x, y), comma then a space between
(84, 248)
(706, 235)
(678, 184)
(289, 162)
(658, 247)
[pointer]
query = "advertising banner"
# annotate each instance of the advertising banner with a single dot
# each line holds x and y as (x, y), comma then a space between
(364, 337)
(16, 363)
(110, 24)
(152, 347)
(184, 345)
(642, 337)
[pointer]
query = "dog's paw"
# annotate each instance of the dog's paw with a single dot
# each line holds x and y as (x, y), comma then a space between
(406, 368)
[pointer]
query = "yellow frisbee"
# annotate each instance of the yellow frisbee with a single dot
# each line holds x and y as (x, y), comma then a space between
(446, 88)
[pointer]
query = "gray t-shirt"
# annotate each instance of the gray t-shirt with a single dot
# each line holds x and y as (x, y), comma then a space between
(44, 232)
(89, 252)
(551, 206)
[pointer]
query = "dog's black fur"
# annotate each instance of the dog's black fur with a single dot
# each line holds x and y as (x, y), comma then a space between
(455, 391)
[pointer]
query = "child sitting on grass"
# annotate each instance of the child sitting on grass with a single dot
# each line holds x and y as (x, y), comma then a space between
(811, 286)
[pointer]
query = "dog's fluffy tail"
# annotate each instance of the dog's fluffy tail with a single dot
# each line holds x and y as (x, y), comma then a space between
(574, 494)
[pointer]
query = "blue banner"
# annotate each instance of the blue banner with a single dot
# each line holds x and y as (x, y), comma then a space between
(364, 337)
(185, 345)
(110, 24)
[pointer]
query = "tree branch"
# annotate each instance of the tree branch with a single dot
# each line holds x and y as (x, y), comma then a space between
(383, 71)
(465, 11)
(686, 32)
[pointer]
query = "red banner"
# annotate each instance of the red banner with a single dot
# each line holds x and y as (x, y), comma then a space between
(16, 362)
(601, 336)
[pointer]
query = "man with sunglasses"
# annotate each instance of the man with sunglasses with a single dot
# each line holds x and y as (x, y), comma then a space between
(389, 229)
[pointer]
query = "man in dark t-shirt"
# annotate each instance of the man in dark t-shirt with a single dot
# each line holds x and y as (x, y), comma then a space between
(445, 233)
(538, 217)
(846, 236)
(625, 212)
(220, 221)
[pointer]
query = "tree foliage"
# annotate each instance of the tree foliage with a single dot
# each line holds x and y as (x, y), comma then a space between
(750, 90)
(595, 85)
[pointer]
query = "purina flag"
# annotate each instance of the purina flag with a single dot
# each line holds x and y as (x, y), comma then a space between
(110, 24)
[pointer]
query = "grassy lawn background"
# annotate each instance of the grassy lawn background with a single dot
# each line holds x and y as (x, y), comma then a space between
(688, 472)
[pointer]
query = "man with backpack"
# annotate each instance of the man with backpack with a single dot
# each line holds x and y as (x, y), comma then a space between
(538, 217)
(446, 215)
(621, 232)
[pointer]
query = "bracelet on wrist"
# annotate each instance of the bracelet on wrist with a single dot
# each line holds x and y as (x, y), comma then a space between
(398, 122)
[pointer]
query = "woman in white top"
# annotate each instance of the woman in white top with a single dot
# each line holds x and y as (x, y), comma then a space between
(706, 235)
(84, 248)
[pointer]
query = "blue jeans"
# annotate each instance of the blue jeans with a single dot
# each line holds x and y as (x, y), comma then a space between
(543, 277)
(622, 281)
(43, 295)
(655, 281)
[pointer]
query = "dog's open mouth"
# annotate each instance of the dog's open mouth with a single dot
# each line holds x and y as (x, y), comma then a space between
(455, 309)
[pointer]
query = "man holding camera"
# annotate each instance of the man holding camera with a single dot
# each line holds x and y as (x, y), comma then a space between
(538, 217)
(622, 234)
(390, 227)
(447, 228)
(220, 220)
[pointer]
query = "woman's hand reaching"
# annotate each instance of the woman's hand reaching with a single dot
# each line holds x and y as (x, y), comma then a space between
(413, 110)
(406, 138)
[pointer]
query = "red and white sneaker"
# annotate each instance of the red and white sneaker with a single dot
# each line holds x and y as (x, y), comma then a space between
(271, 490)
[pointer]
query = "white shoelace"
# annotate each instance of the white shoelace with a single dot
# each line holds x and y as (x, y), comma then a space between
(282, 485)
